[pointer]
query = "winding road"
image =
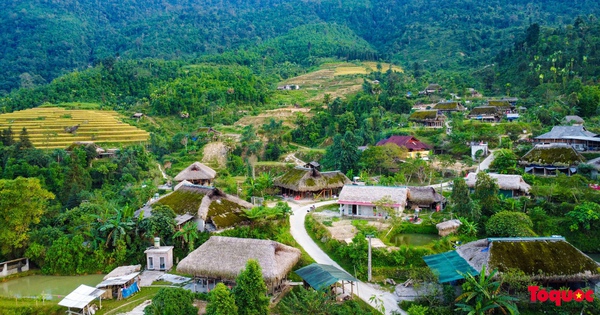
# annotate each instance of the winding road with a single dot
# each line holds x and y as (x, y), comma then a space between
(363, 290)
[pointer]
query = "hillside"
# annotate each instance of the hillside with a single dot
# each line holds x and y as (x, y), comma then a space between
(46, 127)
(48, 39)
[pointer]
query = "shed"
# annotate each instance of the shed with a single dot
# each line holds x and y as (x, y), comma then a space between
(197, 173)
(448, 227)
(424, 197)
(321, 277)
(81, 298)
(223, 258)
(121, 282)
(137, 115)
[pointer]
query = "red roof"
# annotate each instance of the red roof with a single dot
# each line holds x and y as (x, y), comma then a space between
(409, 142)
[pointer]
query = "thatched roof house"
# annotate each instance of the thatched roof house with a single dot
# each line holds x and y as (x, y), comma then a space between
(500, 104)
(448, 227)
(510, 185)
(448, 107)
(424, 197)
(428, 118)
(550, 259)
(546, 159)
(361, 200)
(574, 120)
(223, 258)
(123, 271)
(485, 113)
(543, 258)
(197, 173)
(300, 181)
(210, 206)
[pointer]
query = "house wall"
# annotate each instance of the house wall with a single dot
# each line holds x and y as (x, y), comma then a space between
(365, 211)
(415, 154)
(14, 266)
(168, 256)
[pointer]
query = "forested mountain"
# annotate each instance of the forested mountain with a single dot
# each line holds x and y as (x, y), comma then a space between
(43, 39)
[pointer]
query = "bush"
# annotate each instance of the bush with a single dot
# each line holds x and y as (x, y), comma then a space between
(172, 301)
(508, 223)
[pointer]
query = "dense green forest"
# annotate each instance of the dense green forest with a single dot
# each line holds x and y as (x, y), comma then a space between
(46, 39)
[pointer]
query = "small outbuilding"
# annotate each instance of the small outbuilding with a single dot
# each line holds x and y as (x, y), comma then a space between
(424, 197)
(322, 277)
(120, 283)
(159, 257)
(308, 181)
(448, 227)
(428, 118)
(221, 259)
(137, 115)
(198, 174)
(573, 120)
(81, 299)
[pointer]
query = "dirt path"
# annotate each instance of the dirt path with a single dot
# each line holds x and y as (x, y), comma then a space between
(161, 171)
(363, 290)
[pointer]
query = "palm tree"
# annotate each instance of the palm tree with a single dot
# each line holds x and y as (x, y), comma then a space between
(481, 296)
(188, 234)
(117, 227)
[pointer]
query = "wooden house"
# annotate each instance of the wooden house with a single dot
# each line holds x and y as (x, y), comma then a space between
(428, 118)
(449, 107)
(124, 277)
(197, 173)
(548, 159)
(431, 89)
(221, 259)
(485, 114)
(509, 185)
(414, 146)
(576, 136)
(358, 200)
(309, 182)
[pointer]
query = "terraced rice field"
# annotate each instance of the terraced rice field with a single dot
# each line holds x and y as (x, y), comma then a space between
(46, 127)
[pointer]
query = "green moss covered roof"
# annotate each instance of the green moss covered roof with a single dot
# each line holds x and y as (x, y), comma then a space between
(183, 201)
(305, 179)
(423, 114)
(483, 110)
(550, 258)
(555, 154)
(448, 106)
(225, 213)
(499, 103)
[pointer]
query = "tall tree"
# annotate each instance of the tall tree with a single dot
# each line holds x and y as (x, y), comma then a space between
(188, 234)
(24, 142)
(343, 154)
(486, 192)
(221, 302)
(462, 205)
(23, 201)
(250, 292)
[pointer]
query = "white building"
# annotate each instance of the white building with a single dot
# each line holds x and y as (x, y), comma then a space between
(360, 200)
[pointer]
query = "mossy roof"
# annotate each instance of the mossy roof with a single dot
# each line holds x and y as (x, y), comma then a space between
(483, 110)
(448, 106)
(303, 179)
(424, 114)
(182, 201)
(544, 258)
(541, 258)
(553, 154)
(499, 103)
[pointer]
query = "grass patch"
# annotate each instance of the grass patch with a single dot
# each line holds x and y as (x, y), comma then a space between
(30, 306)
(126, 305)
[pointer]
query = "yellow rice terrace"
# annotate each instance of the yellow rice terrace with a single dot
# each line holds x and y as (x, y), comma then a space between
(54, 127)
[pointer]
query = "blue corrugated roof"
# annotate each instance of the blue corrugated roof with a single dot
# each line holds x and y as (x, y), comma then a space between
(321, 277)
(448, 265)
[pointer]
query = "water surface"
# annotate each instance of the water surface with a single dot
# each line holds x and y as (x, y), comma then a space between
(413, 239)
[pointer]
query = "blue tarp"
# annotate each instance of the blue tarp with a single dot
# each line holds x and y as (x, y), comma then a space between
(448, 265)
(127, 292)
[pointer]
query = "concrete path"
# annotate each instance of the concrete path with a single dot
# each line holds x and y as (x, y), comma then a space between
(365, 290)
(138, 310)
(485, 164)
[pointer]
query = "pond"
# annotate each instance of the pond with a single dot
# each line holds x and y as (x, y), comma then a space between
(413, 239)
(51, 286)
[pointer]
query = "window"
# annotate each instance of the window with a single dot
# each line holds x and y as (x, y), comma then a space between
(162, 263)
(150, 263)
